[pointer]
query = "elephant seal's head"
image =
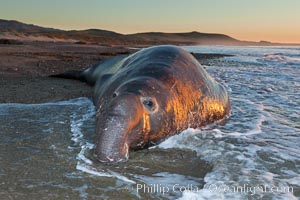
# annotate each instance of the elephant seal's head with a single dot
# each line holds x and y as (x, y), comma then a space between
(133, 116)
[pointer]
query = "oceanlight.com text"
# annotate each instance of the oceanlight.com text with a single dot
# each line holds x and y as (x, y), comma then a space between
(215, 188)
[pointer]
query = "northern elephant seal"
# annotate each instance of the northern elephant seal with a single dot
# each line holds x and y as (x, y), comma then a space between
(143, 98)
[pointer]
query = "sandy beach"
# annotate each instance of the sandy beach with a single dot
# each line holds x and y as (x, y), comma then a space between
(24, 70)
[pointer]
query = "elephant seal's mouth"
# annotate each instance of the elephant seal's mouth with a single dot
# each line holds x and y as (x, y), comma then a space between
(115, 157)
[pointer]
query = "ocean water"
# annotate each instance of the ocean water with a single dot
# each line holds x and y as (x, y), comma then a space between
(46, 149)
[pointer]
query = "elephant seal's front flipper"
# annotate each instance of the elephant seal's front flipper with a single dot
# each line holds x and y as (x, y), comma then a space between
(77, 75)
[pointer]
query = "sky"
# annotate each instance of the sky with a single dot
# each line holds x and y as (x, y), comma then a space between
(252, 20)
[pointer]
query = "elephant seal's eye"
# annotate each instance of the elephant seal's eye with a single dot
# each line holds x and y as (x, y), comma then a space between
(114, 95)
(149, 103)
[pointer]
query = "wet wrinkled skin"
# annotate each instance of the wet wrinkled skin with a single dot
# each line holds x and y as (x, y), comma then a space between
(146, 97)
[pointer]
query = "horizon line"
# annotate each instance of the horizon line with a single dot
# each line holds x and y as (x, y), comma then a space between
(132, 33)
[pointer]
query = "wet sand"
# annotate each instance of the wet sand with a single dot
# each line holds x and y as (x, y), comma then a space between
(41, 89)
